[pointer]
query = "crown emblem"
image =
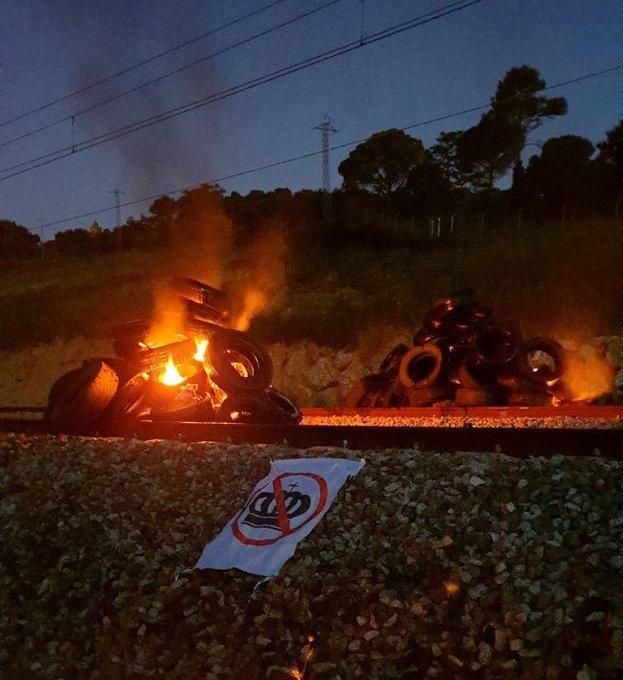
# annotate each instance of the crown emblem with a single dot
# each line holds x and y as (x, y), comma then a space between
(263, 514)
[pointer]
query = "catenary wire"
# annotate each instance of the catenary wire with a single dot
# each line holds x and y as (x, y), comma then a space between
(148, 60)
(111, 135)
(168, 74)
(311, 154)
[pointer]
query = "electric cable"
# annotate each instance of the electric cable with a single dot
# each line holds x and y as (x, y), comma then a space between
(164, 76)
(312, 154)
(148, 60)
(111, 135)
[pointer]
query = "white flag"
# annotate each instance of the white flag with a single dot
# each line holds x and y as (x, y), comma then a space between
(283, 508)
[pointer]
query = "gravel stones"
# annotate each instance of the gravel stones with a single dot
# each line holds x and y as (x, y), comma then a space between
(402, 577)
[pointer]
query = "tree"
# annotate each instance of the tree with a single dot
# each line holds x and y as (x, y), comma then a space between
(486, 151)
(495, 144)
(610, 160)
(518, 104)
(560, 178)
(382, 163)
(445, 155)
(163, 211)
(17, 241)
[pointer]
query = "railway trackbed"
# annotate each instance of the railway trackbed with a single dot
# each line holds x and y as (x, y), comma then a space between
(517, 431)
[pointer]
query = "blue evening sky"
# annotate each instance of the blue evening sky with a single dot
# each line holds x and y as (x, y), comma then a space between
(52, 47)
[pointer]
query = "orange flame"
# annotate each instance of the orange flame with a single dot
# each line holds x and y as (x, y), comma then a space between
(588, 377)
(202, 346)
(254, 302)
(171, 376)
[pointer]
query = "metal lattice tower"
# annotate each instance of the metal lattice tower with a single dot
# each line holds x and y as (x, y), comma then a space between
(117, 193)
(326, 128)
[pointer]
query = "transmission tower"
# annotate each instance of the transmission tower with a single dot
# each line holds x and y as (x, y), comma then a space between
(326, 128)
(117, 193)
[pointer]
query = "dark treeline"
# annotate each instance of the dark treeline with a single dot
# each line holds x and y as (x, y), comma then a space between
(396, 191)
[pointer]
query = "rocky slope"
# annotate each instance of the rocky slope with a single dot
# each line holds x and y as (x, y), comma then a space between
(427, 565)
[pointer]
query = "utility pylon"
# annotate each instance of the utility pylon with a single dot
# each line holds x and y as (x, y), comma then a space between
(326, 128)
(117, 193)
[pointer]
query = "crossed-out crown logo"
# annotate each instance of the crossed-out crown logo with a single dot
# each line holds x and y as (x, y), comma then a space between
(280, 508)
(263, 510)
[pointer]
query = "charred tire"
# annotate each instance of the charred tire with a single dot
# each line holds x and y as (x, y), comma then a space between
(462, 320)
(127, 337)
(259, 408)
(474, 377)
(435, 317)
(420, 367)
(356, 395)
(79, 398)
(496, 345)
(544, 374)
(213, 300)
(150, 360)
(391, 364)
(530, 398)
(229, 347)
(473, 397)
(130, 400)
(425, 396)
(289, 410)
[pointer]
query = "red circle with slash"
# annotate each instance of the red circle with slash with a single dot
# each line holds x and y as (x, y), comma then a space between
(282, 514)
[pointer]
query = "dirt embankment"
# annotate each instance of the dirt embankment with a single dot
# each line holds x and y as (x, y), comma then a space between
(310, 374)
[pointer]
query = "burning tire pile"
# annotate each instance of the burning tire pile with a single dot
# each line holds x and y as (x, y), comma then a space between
(208, 372)
(464, 356)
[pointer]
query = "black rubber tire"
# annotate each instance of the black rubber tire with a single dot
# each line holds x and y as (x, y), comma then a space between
(544, 374)
(290, 411)
(260, 408)
(202, 295)
(429, 358)
(473, 397)
(530, 398)
(228, 346)
(475, 377)
(78, 398)
(356, 395)
(436, 315)
(150, 360)
(391, 364)
(464, 319)
(496, 346)
(425, 396)
(130, 400)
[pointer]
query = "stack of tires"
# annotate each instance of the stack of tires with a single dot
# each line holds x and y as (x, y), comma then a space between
(233, 384)
(462, 355)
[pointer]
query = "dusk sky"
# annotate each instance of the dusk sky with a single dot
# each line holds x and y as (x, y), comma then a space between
(52, 47)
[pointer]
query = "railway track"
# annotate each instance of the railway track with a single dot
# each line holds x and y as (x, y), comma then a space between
(372, 430)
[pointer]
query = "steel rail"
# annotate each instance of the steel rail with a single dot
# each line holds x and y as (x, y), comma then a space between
(519, 442)
(567, 410)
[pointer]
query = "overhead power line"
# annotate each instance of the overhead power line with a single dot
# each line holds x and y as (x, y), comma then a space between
(164, 76)
(111, 135)
(143, 62)
(312, 154)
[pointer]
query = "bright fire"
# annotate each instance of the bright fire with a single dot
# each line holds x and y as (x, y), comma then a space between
(588, 377)
(202, 346)
(171, 376)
